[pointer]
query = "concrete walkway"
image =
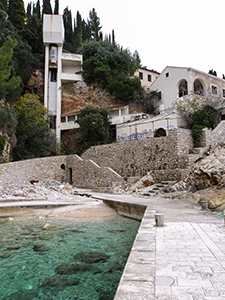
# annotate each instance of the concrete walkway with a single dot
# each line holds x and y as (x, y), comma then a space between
(183, 260)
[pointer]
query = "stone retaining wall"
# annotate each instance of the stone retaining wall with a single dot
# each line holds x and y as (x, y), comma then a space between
(73, 169)
(213, 137)
(137, 158)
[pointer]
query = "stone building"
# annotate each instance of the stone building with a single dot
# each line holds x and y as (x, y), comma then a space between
(146, 76)
(178, 82)
(175, 83)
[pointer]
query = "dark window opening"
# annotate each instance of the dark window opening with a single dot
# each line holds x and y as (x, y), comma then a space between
(70, 176)
(159, 95)
(160, 132)
(63, 166)
(214, 90)
(141, 75)
(52, 122)
(149, 78)
(53, 75)
(183, 88)
(167, 74)
(198, 88)
(223, 93)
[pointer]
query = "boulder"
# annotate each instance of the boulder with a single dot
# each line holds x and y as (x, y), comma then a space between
(39, 248)
(23, 295)
(91, 257)
(60, 280)
(75, 267)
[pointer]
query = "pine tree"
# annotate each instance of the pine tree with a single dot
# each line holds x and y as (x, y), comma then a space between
(56, 10)
(94, 24)
(7, 81)
(17, 14)
(47, 9)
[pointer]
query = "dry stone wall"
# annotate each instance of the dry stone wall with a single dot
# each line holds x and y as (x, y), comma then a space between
(137, 158)
(73, 169)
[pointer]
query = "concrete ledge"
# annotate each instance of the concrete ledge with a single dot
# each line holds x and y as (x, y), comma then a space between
(130, 210)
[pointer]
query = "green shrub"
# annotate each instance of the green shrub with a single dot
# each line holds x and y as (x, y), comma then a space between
(196, 134)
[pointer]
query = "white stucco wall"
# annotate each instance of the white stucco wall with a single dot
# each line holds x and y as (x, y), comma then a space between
(168, 84)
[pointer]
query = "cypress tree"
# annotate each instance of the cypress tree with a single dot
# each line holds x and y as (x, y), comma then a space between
(94, 24)
(67, 18)
(16, 14)
(29, 9)
(113, 36)
(78, 32)
(47, 9)
(38, 9)
(56, 9)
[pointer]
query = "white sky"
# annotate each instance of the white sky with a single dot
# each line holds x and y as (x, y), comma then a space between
(183, 33)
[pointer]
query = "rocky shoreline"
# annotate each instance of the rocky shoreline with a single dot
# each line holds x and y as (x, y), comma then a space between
(204, 182)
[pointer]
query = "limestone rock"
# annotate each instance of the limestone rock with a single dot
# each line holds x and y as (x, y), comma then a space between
(47, 226)
(91, 257)
(23, 295)
(75, 267)
(39, 248)
(144, 182)
(60, 280)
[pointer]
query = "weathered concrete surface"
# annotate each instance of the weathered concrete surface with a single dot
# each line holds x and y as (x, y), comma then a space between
(184, 260)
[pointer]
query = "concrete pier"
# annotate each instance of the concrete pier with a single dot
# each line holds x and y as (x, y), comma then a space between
(182, 260)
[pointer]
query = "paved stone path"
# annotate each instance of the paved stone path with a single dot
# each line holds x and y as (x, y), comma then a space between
(183, 260)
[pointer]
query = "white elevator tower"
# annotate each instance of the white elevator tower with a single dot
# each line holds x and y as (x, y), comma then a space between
(53, 38)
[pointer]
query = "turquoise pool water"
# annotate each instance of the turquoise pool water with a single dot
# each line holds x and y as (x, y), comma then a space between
(36, 263)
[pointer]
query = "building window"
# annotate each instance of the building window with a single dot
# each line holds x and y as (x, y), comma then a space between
(141, 75)
(183, 88)
(214, 90)
(52, 122)
(198, 88)
(53, 75)
(159, 96)
(223, 93)
(167, 74)
(149, 77)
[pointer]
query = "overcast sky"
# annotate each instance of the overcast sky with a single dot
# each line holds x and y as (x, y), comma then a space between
(184, 33)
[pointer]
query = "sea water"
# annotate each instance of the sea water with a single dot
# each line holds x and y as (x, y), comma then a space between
(26, 273)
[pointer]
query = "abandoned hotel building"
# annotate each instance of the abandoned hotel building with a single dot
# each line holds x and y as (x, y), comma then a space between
(171, 84)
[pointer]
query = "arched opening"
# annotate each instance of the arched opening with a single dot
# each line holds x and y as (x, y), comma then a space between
(63, 167)
(160, 132)
(70, 176)
(198, 87)
(183, 88)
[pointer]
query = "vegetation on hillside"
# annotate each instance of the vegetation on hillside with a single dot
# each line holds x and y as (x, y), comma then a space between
(34, 138)
(199, 113)
(21, 49)
(94, 127)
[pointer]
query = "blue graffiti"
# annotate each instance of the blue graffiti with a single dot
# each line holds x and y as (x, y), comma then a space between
(134, 136)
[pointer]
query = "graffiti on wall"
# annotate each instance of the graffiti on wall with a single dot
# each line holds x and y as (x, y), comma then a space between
(145, 134)
(135, 136)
